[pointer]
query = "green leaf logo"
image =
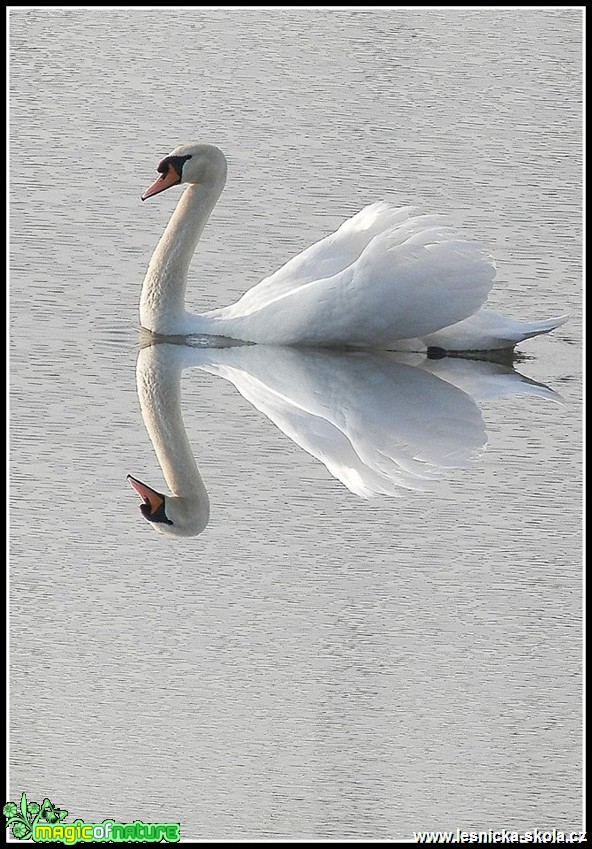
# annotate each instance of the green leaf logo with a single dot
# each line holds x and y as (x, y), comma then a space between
(24, 817)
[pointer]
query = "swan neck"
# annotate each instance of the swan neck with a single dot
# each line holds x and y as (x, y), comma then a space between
(162, 304)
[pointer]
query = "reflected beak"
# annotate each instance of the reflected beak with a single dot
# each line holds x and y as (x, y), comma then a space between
(153, 500)
(165, 181)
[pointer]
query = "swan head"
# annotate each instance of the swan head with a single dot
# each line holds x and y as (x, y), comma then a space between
(202, 164)
(172, 515)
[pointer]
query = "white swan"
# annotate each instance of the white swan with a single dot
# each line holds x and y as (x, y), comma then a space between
(381, 423)
(387, 278)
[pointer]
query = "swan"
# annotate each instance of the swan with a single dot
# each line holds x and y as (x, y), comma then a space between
(382, 423)
(388, 278)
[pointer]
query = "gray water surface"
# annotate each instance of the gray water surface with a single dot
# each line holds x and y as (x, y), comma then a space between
(314, 664)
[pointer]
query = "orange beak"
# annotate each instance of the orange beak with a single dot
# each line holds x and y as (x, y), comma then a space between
(152, 499)
(165, 181)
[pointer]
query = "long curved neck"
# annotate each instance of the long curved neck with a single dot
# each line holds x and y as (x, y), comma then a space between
(162, 304)
(159, 389)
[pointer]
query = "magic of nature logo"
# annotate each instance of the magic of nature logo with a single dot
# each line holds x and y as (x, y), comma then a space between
(44, 823)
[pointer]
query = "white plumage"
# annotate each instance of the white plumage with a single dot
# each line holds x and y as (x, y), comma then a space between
(388, 278)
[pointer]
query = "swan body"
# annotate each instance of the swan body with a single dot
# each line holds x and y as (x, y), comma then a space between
(388, 278)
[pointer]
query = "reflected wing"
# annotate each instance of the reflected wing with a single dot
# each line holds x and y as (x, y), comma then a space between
(378, 425)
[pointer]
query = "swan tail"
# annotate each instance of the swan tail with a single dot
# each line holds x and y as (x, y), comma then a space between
(527, 329)
(488, 331)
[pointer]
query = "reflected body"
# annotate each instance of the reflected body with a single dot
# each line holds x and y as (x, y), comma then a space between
(388, 278)
(381, 423)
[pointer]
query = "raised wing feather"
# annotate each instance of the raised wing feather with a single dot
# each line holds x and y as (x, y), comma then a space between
(327, 257)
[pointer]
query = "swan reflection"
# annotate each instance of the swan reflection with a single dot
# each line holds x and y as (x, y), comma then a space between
(382, 423)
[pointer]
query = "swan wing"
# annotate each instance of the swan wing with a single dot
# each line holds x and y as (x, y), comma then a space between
(327, 257)
(408, 280)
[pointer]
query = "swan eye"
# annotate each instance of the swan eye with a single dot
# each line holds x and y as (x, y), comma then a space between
(174, 162)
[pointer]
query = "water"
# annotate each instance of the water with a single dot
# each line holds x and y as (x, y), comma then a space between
(314, 664)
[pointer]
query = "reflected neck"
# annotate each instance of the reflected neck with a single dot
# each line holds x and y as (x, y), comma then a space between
(159, 390)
